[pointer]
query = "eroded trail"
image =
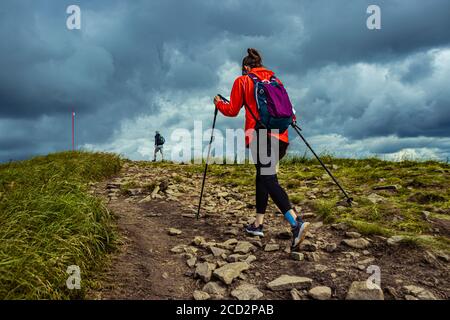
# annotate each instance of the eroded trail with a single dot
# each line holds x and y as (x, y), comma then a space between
(155, 262)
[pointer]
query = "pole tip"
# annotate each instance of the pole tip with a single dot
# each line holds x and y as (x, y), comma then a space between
(349, 201)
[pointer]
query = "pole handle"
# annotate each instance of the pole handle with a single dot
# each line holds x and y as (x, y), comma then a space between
(223, 98)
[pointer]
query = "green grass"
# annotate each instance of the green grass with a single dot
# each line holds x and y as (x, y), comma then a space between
(422, 186)
(369, 228)
(326, 210)
(49, 221)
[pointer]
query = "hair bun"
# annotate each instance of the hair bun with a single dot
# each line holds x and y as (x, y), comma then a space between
(254, 54)
(253, 59)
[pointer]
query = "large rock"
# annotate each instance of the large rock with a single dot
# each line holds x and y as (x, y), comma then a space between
(208, 258)
(191, 262)
(250, 259)
(217, 252)
(297, 256)
(244, 247)
(221, 263)
(174, 232)
(287, 282)
(146, 199)
(191, 250)
(231, 232)
(200, 295)
(360, 291)
(354, 235)
(360, 243)
(204, 271)
(272, 247)
(178, 249)
(215, 289)
(320, 293)
(395, 240)
(247, 292)
(235, 257)
(229, 244)
(420, 293)
(155, 192)
(230, 271)
(198, 241)
(320, 268)
(296, 295)
(184, 248)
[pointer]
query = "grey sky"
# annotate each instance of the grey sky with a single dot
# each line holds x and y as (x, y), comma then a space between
(138, 66)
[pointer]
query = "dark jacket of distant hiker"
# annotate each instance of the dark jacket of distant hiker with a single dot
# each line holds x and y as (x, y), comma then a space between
(159, 140)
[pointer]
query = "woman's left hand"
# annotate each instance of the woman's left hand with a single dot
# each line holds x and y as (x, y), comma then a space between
(216, 99)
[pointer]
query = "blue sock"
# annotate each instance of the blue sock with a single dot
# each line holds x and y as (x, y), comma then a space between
(290, 219)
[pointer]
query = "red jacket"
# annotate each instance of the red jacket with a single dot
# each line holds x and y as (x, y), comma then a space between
(243, 93)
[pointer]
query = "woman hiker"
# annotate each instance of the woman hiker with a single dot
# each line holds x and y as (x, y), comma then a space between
(270, 146)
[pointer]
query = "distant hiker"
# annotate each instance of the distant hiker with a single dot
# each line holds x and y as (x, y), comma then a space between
(243, 94)
(159, 141)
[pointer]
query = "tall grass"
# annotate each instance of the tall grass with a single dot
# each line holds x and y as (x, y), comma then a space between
(48, 221)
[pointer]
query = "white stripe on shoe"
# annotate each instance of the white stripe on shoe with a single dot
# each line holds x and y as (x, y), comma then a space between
(301, 235)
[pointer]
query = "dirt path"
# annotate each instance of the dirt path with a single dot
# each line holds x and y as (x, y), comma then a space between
(145, 267)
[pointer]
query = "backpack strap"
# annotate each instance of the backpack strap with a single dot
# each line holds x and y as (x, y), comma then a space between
(253, 115)
(254, 77)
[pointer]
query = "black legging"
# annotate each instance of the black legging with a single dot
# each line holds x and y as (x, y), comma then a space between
(266, 177)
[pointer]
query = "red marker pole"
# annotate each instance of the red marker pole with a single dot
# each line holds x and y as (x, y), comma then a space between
(73, 130)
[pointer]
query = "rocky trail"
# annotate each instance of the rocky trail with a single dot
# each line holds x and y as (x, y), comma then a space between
(168, 254)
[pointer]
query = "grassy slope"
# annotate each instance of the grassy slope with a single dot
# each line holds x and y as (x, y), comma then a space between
(48, 221)
(424, 186)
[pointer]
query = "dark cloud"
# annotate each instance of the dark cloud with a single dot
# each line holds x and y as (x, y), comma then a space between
(337, 33)
(371, 100)
(139, 59)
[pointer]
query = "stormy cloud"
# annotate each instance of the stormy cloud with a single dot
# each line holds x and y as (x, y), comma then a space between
(140, 66)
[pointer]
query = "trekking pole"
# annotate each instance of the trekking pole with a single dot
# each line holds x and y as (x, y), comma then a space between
(298, 129)
(206, 165)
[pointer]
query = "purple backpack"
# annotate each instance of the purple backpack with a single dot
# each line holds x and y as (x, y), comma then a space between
(274, 107)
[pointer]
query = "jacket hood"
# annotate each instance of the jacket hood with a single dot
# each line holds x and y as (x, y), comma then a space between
(262, 72)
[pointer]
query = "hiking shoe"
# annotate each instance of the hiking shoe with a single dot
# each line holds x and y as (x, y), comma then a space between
(299, 233)
(255, 231)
